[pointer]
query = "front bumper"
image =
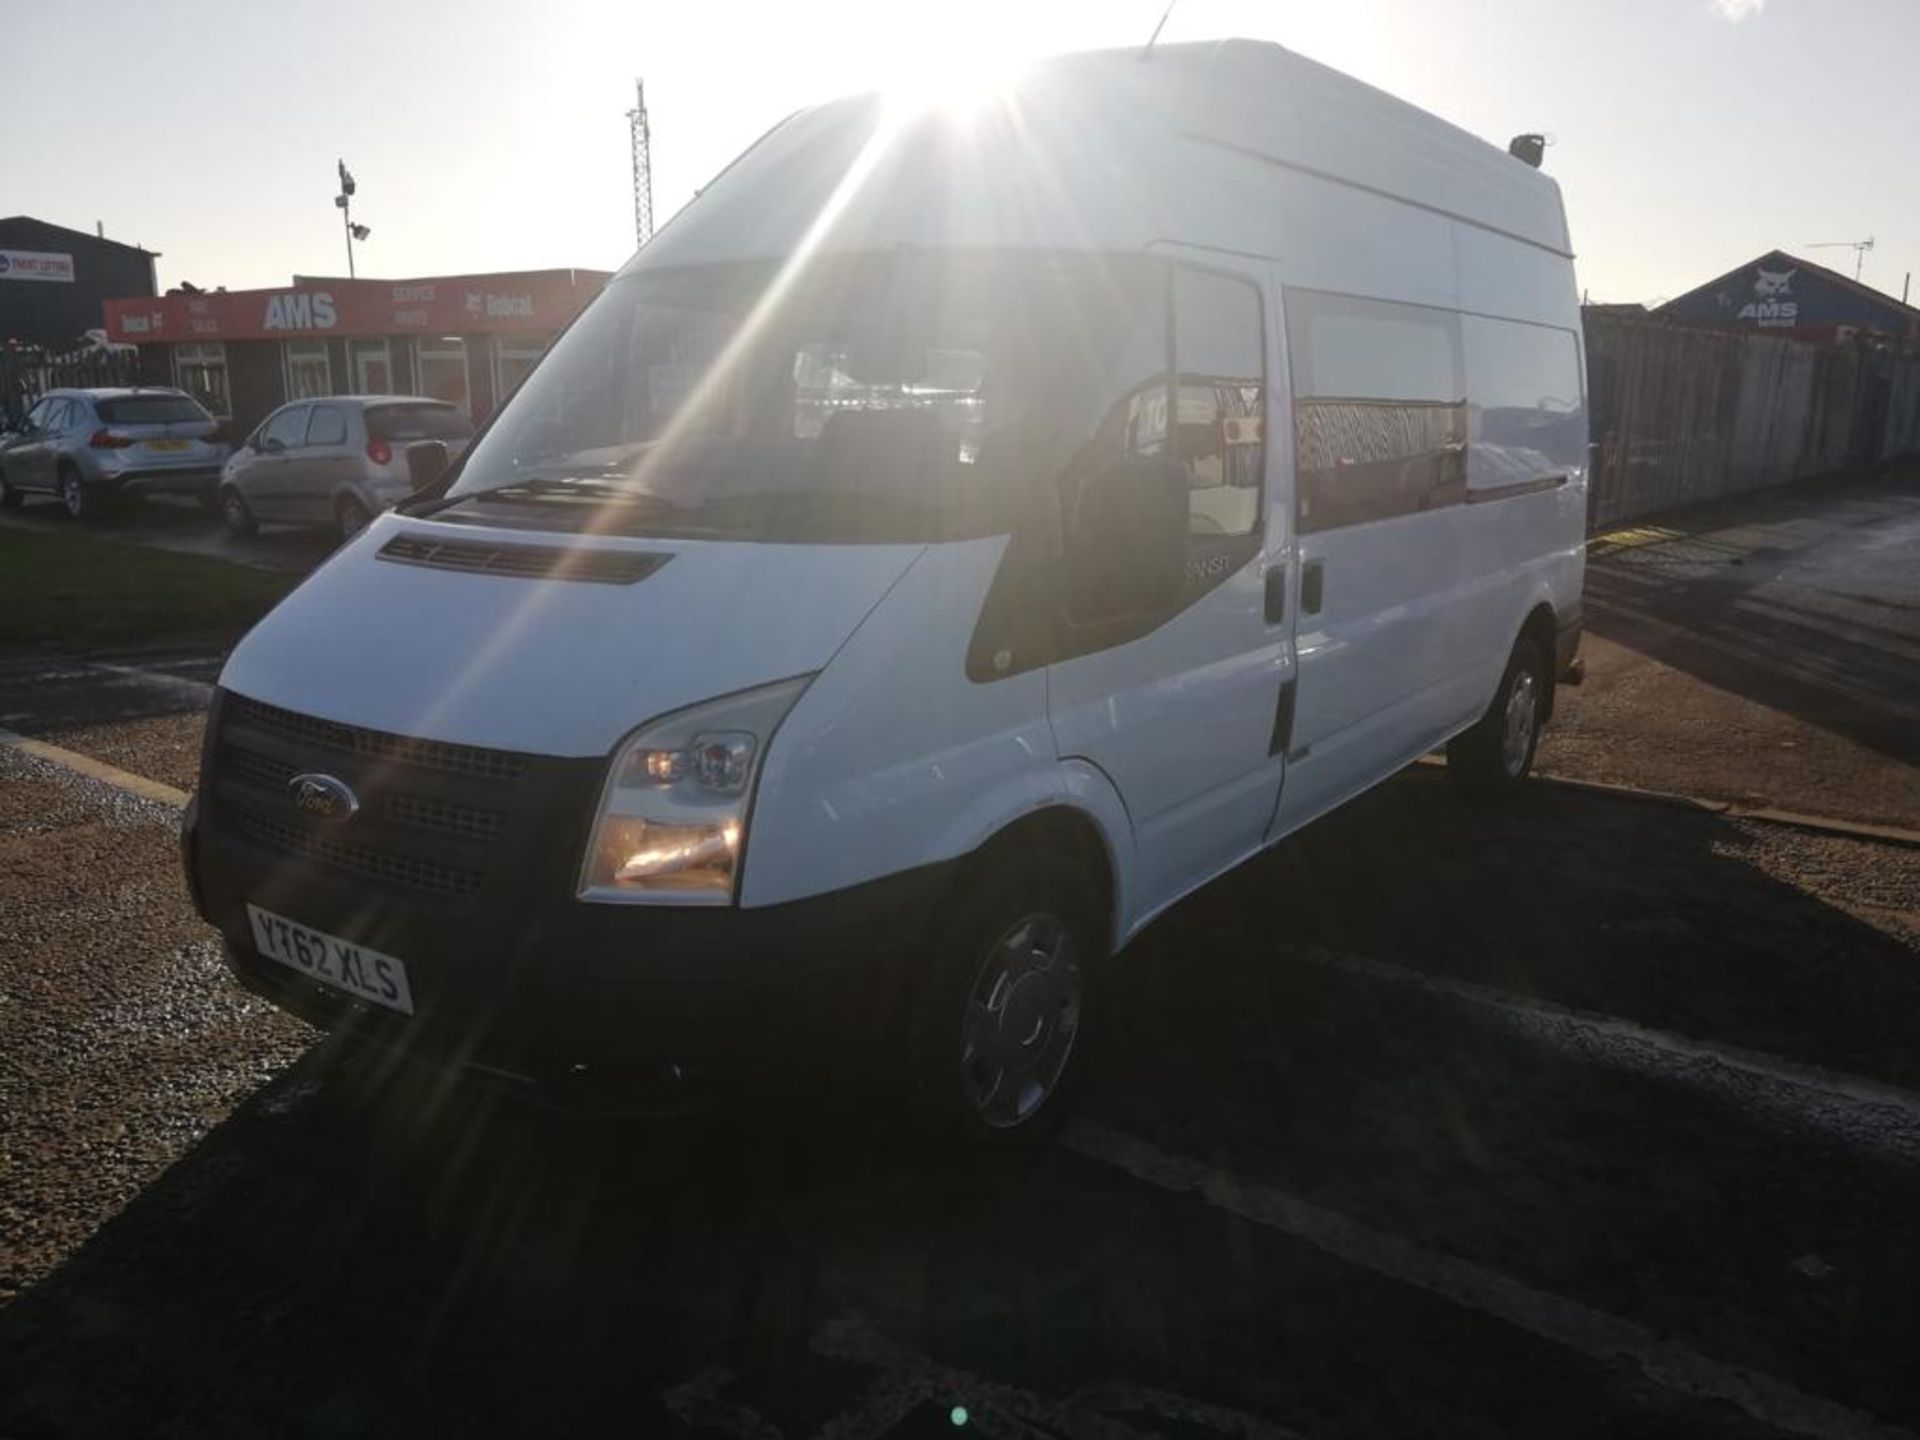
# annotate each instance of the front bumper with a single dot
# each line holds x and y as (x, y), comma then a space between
(587, 1002)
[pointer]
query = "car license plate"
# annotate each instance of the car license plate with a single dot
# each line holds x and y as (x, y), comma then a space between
(362, 973)
(167, 444)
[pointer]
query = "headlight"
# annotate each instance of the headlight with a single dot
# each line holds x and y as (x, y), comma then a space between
(673, 817)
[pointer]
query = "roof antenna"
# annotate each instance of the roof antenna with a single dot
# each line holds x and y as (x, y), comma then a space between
(1146, 51)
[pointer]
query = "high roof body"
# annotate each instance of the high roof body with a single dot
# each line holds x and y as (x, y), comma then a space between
(1107, 150)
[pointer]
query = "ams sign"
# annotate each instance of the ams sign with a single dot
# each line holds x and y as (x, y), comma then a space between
(301, 310)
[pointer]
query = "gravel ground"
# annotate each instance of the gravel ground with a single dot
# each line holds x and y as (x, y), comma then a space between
(164, 748)
(121, 1043)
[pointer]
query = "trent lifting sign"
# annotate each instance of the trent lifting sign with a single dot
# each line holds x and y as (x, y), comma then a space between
(36, 265)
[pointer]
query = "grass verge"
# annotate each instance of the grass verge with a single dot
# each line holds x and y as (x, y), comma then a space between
(78, 592)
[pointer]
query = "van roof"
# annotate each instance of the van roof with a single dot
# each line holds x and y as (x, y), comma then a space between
(1264, 100)
(1104, 149)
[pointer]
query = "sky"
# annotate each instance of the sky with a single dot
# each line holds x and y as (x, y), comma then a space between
(1688, 135)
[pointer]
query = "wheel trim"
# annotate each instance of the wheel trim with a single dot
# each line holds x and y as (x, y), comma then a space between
(71, 496)
(1020, 1021)
(234, 507)
(353, 517)
(1521, 718)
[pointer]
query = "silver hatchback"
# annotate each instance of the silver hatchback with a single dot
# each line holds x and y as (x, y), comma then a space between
(338, 460)
(91, 446)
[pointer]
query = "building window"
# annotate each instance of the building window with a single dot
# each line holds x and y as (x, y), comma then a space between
(513, 358)
(201, 371)
(443, 371)
(308, 372)
(372, 366)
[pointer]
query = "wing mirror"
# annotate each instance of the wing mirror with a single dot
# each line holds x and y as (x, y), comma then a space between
(269, 445)
(1126, 549)
(427, 461)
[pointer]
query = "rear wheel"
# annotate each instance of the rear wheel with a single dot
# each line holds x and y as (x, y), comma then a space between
(235, 513)
(10, 497)
(998, 1020)
(1496, 755)
(82, 502)
(350, 516)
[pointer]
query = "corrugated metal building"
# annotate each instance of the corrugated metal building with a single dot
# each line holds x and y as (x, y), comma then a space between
(1780, 294)
(54, 281)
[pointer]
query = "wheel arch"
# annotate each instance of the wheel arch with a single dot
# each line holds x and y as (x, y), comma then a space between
(1078, 814)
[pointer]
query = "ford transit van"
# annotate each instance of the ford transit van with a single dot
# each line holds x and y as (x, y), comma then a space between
(956, 537)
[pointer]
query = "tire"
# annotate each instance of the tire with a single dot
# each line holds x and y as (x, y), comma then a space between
(1495, 757)
(10, 497)
(997, 1019)
(350, 517)
(82, 503)
(236, 514)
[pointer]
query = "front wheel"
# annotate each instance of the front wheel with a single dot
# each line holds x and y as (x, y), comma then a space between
(998, 1019)
(1496, 755)
(234, 511)
(10, 496)
(351, 517)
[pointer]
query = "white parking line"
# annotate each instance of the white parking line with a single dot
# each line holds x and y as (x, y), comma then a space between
(1593, 1333)
(1864, 1114)
(93, 769)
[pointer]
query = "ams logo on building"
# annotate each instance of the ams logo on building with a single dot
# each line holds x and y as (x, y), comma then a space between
(1773, 303)
(300, 311)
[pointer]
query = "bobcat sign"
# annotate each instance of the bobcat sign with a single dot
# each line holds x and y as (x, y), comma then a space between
(1772, 305)
(1781, 294)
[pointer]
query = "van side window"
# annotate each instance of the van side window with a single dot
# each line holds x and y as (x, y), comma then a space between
(1221, 405)
(1527, 422)
(1379, 408)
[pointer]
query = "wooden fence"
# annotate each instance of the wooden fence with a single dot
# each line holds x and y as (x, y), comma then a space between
(1682, 415)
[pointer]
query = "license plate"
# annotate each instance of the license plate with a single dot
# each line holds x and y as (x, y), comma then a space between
(168, 444)
(362, 973)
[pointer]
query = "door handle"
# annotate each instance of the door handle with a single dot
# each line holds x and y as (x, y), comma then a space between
(1312, 586)
(1276, 595)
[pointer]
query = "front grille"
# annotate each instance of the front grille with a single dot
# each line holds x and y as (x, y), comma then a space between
(444, 816)
(527, 562)
(448, 817)
(436, 819)
(471, 760)
(406, 872)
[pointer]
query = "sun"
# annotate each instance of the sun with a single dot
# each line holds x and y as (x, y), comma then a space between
(965, 73)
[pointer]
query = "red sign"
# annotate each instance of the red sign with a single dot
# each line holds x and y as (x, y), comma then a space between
(526, 302)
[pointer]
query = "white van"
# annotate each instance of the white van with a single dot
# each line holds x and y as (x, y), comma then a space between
(955, 538)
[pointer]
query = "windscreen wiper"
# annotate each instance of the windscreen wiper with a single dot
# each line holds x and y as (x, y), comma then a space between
(538, 486)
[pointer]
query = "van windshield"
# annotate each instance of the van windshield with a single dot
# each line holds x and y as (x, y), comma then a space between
(899, 397)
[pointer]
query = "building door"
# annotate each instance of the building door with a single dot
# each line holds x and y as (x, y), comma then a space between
(372, 368)
(443, 372)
